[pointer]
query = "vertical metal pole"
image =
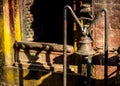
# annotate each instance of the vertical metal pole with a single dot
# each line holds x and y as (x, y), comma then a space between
(65, 40)
(105, 44)
(106, 49)
(64, 48)
(89, 61)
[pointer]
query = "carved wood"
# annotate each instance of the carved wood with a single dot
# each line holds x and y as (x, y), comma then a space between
(28, 19)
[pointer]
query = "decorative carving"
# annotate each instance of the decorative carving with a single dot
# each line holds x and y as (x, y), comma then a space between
(28, 19)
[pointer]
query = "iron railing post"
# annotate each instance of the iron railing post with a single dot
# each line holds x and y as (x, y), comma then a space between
(106, 48)
(65, 50)
(65, 40)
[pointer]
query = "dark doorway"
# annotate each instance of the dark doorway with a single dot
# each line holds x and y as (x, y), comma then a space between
(48, 21)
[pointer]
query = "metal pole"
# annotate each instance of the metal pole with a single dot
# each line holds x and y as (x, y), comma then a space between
(74, 16)
(65, 51)
(65, 40)
(105, 43)
(89, 61)
(106, 49)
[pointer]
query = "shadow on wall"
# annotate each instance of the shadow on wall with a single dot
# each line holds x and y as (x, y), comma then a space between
(41, 76)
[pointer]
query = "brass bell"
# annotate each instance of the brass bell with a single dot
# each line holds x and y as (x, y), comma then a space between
(85, 48)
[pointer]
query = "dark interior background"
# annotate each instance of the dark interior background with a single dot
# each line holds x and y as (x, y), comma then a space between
(48, 21)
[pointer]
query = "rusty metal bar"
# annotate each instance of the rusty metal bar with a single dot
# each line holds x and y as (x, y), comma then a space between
(65, 40)
(64, 49)
(74, 16)
(106, 48)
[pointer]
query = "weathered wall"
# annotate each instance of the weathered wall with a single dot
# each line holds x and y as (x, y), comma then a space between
(113, 7)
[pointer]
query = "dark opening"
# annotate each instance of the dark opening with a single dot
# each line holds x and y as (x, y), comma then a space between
(48, 21)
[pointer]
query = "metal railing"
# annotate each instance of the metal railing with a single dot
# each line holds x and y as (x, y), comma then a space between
(84, 31)
(65, 40)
